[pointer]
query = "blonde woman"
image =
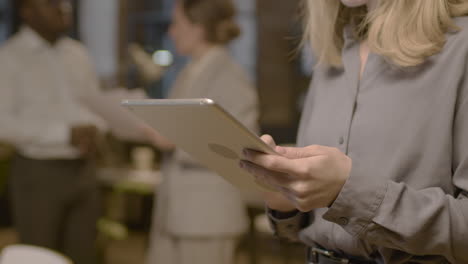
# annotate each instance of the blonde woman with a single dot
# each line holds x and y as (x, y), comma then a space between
(199, 216)
(381, 171)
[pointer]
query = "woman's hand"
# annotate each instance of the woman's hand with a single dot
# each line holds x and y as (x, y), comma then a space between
(310, 177)
(275, 200)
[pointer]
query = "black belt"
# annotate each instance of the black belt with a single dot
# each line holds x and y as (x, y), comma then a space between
(323, 256)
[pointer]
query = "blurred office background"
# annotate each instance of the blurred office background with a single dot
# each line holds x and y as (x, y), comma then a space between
(268, 49)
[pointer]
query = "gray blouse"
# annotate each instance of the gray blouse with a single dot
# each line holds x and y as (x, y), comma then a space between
(406, 131)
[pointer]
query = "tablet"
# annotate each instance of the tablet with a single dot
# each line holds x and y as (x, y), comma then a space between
(207, 132)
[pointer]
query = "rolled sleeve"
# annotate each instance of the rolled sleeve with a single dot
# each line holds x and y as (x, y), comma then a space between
(287, 228)
(357, 203)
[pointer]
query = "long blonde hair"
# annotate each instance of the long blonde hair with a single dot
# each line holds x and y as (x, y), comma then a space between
(405, 32)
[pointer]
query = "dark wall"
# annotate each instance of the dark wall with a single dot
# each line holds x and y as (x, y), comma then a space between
(280, 81)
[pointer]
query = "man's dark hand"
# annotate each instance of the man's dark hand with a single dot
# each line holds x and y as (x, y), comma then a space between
(84, 138)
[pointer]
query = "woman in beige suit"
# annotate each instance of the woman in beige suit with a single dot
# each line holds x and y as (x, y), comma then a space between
(199, 217)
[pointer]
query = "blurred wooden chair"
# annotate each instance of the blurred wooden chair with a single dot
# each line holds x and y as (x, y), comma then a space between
(263, 246)
(6, 154)
(25, 254)
(122, 182)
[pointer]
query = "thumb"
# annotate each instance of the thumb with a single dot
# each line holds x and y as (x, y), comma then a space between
(269, 141)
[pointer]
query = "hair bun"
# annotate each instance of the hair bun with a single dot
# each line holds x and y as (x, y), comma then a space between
(227, 31)
(217, 17)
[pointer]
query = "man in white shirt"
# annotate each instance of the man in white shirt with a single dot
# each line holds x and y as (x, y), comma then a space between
(43, 77)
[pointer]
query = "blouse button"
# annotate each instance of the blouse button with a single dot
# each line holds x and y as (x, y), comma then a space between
(341, 141)
(343, 221)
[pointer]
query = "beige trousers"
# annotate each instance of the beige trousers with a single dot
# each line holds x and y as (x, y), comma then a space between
(167, 249)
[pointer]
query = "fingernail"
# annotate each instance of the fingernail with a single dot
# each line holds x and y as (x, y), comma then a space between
(245, 152)
(241, 165)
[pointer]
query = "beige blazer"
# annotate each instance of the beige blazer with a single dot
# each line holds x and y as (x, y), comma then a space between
(194, 201)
